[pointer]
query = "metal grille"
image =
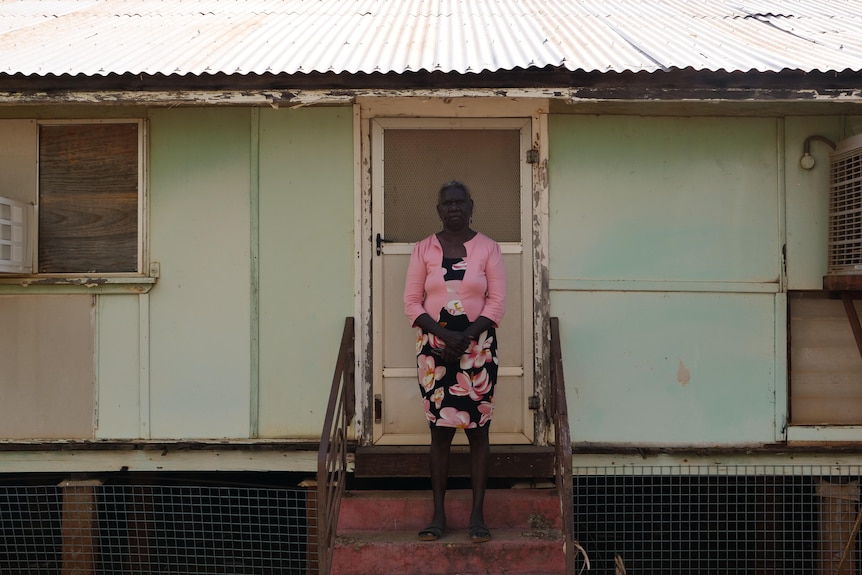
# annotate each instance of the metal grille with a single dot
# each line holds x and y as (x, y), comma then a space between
(719, 519)
(845, 211)
(166, 530)
(418, 162)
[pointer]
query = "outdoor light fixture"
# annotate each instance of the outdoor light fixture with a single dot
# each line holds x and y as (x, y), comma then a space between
(807, 161)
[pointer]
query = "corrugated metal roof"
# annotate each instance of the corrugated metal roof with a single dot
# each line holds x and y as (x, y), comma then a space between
(100, 37)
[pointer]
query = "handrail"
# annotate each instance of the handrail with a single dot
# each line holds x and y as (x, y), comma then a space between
(563, 448)
(332, 454)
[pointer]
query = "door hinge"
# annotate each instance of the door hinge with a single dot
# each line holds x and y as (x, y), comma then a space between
(378, 408)
(533, 156)
(533, 402)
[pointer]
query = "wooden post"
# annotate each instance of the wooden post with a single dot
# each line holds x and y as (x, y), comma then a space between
(838, 503)
(80, 527)
(312, 565)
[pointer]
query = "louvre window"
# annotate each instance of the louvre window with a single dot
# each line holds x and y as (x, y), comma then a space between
(15, 217)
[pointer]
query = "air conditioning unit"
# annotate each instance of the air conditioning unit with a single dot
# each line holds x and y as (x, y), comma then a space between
(16, 254)
(845, 216)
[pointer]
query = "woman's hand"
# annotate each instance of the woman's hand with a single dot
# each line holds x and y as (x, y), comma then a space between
(456, 344)
(476, 328)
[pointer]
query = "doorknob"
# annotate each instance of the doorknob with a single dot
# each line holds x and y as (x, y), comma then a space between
(379, 242)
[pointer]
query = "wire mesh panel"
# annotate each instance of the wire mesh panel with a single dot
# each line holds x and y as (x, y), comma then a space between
(182, 530)
(30, 530)
(745, 519)
(418, 162)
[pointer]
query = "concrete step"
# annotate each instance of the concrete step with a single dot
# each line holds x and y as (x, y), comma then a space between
(511, 551)
(367, 510)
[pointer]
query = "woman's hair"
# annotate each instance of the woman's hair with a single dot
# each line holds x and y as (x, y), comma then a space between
(453, 185)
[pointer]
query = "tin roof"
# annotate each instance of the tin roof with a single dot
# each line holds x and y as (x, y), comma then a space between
(252, 37)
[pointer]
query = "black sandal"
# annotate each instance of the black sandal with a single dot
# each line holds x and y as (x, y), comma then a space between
(479, 534)
(431, 533)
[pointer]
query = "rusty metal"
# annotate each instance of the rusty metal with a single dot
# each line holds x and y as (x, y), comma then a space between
(563, 444)
(332, 454)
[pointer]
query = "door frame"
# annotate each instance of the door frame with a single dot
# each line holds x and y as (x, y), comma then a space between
(536, 111)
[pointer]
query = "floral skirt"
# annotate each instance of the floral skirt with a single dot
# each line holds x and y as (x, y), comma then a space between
(458, 393)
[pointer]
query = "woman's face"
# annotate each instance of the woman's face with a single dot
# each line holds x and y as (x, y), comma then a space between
(454, 208)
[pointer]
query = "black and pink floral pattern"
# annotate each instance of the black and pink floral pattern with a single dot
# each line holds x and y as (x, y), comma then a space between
(458, 393)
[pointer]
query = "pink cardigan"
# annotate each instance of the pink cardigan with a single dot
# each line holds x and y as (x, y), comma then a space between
(483, 289)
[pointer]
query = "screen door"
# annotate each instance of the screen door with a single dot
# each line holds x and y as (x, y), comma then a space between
(411, 159)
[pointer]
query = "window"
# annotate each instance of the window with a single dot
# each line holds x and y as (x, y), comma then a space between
(14, 245)
(84, 179)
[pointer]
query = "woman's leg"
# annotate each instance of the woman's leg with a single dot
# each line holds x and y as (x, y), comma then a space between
(480, 456)
(441, 442)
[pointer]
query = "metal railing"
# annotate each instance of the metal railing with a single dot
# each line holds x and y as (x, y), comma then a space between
(563, 446)
(332, 454)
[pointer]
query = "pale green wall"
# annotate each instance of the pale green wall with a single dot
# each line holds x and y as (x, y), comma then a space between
(624, 352)
(306, 262)
(665, 240)
(203, 366)
(199, 311)
(684, 205)
(678, 199)
(808, 199)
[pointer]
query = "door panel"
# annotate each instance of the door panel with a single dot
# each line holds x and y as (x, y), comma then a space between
(413, 158)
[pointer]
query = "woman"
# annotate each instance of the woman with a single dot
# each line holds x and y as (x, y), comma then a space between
(455, 295)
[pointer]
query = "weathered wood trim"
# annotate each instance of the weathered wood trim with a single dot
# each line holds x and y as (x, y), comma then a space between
(784, 461)
(101, 285)
(288, 89)
(154, 460)
(360, 255)
(348, 97)
(541, 287)
(365, 374)
(451, 104)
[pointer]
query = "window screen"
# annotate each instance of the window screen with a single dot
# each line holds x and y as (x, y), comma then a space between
(417, 162)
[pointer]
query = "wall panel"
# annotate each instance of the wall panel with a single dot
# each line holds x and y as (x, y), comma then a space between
(668, 368)
(665, 254)
(666, 199)
(118, 367)
(199, 229)
(47, 376)
(306, 262)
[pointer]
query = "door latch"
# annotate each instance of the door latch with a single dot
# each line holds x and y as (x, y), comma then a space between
(379, 242)
(533, 402)
(378, 408)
